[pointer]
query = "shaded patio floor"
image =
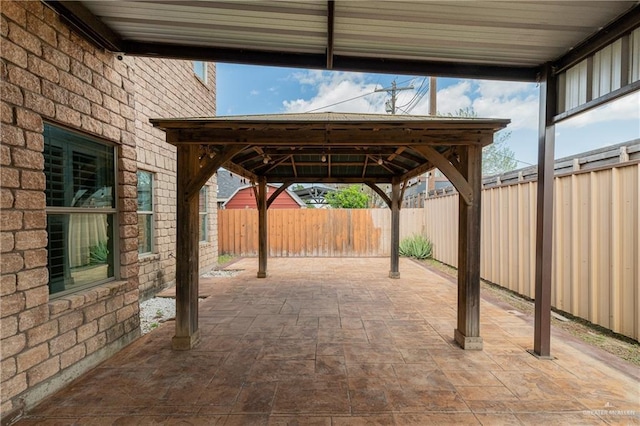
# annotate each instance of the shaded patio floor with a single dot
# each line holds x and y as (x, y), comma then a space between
(326, 341)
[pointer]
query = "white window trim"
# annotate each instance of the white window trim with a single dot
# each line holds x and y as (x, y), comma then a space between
(205, 238)
(150, 213)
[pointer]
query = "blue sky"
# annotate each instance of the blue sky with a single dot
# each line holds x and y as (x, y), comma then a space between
(243, 89)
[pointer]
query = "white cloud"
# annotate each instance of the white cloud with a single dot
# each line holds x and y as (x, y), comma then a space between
(453, 98)
(517, 101)
(254, 92)
(332, 89)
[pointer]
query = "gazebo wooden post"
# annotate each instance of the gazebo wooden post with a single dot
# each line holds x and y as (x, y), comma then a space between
(544, 215)
(394, 272)
(467, 334)
(262, 227)
(187, 251)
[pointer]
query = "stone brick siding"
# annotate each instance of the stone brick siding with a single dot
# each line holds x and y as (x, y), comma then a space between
(49, 73)
(169, 88)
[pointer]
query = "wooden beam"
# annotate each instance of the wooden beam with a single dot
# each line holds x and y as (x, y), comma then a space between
(544, 215)
(394, 272)
(263, 235)
(456, 178)
(204, 173)
(277, 192)
(467, 333)
(330, 24)
(187, 252)
(324, 179)
(330, 163)
(380, 192)
(350, 138)
(375, 162)
(364, 167)
(403, 188)
(397, 152)
(417, 171)
(277, 163)
(239, 170)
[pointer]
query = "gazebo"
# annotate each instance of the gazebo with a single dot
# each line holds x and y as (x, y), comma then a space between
(567, 47)
(329, 148)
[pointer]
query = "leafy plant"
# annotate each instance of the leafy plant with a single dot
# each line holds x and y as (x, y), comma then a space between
(348, 198)
(416, 246)
(498, 157)
(224, 258)
(98, 254)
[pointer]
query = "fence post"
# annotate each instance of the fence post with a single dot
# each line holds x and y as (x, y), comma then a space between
(394, 272)
(263, 244)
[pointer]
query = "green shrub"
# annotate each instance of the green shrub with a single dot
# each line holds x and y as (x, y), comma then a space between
(98, 254)
(416, 246)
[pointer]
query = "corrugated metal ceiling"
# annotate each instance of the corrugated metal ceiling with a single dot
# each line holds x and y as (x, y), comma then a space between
(511, 33)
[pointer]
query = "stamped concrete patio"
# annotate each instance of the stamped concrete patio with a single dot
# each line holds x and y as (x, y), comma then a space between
(326, 341)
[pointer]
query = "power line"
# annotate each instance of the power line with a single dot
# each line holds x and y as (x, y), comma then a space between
(390, 105)
(341, 102)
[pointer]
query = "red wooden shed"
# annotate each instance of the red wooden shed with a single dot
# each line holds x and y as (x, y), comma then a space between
(245, 198)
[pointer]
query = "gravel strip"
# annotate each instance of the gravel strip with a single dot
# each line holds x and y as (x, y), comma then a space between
(155, 311)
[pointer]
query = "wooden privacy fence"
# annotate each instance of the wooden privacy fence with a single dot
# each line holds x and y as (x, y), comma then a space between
(596, 270)
(596, 239)
(315, 232)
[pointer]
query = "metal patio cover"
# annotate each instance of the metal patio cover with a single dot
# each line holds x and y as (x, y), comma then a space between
(479, 39)
(506, 40)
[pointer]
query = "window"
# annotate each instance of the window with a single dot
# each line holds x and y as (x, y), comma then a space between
(200, 69)
(145, 212)
(80, 173)
(204, 214)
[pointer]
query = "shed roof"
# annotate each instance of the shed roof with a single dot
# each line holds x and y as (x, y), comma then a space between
(289, 193)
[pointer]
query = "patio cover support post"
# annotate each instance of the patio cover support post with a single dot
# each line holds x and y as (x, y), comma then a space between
(544, 214)
(467, 334)
(262, 227)
(187, 251)
(395, 229)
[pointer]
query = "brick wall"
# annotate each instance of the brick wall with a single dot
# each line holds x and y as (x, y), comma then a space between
(49, 73)
(169, 88)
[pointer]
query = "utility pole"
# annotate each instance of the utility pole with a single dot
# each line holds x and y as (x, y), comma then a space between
(433, 90)
(390, 105)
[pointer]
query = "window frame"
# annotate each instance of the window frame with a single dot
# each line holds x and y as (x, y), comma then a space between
(109, 211)
(203, 237)
(149, 213)
(204, 77)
